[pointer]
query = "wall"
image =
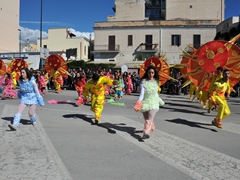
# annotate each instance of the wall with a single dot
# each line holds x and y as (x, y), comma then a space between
(9, 25)
(129, 9)
(161, 36)
(226, 25)
(195, 9)
(174, 52)
(58, 41)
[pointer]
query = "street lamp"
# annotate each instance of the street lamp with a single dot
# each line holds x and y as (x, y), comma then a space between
(40, 62)
(20, 44)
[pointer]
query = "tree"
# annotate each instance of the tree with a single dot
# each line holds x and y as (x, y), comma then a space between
(218, 35)
(233, 32)
(85, 65)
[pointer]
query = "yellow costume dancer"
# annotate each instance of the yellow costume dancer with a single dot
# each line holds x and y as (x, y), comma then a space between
(47, 78)
(199, 96)
(218, 98)
(14, 78)
(193, 88)
(58, 81)
(96, 87)
(215, 78)
(204, 98)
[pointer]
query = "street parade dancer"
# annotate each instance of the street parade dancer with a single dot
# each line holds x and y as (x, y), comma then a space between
(14, 78)
(29, 96)
(41, 83)
(79, 83)
(218, 98)
(149, 100)
(96, 87)
(193, 89)
(9, 87)
(118, 87)
(58, 81)
(216, 77)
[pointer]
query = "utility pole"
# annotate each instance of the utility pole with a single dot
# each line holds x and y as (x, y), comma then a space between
(40, 62)
(20, 43)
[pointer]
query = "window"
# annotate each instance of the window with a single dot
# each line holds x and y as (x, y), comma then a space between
(196, 41)
(85, 50)
(148, 42)
(163, 4)
(176, 40)
(45, 46)
(130, 39)
(111, 43)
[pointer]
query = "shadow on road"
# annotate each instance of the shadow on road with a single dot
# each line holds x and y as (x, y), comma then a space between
(235, 104)
(185, 111)
(191, 124)
(181, 105)
(80, 116)
(122, 127)
(234, 101)
(23, 121)
(109, 126)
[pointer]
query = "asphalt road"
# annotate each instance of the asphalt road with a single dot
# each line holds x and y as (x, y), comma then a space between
(184, 145)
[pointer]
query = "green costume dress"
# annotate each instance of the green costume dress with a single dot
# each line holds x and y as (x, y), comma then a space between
(149, 96)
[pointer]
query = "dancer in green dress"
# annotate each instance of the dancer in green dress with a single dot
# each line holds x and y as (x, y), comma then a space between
(149, 100)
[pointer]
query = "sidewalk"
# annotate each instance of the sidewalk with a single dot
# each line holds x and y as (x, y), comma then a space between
(28, 153)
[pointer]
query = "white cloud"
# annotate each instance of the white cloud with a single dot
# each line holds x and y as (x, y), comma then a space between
(32, 35)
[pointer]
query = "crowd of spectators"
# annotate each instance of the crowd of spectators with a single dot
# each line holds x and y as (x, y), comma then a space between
(172, 87)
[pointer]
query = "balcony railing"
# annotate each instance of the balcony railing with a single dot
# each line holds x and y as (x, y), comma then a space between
(144, 47)
(189, 49)
(107, 48)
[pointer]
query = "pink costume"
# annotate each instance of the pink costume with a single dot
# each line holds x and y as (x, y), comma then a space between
(128, 85)
(2, 83)
(41, 84)
(79, 86)
(107, 89)
(9, 89)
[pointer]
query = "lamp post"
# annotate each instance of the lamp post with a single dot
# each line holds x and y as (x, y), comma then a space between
(40, 62)
(20, 44)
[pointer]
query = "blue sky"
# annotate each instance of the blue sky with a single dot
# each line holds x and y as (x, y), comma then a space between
(78, 15)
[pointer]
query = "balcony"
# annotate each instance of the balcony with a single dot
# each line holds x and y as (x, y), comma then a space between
(144, 47)
(189, 47)
(107, 48)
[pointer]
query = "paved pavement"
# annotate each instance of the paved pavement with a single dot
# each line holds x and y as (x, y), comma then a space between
(66, 145)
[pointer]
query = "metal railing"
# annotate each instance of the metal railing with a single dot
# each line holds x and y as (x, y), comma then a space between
(106, 47)
(148, 47)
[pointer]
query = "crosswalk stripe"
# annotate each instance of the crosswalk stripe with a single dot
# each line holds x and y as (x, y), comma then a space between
(195, 160)
(28, 151)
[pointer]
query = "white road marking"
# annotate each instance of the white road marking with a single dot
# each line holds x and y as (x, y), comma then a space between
(195, 160)
(28, 152)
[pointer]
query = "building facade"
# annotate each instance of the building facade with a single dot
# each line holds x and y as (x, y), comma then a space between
(61, 39)
(228, 24)
(9, 26)
(144, 28)
(228, 29)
